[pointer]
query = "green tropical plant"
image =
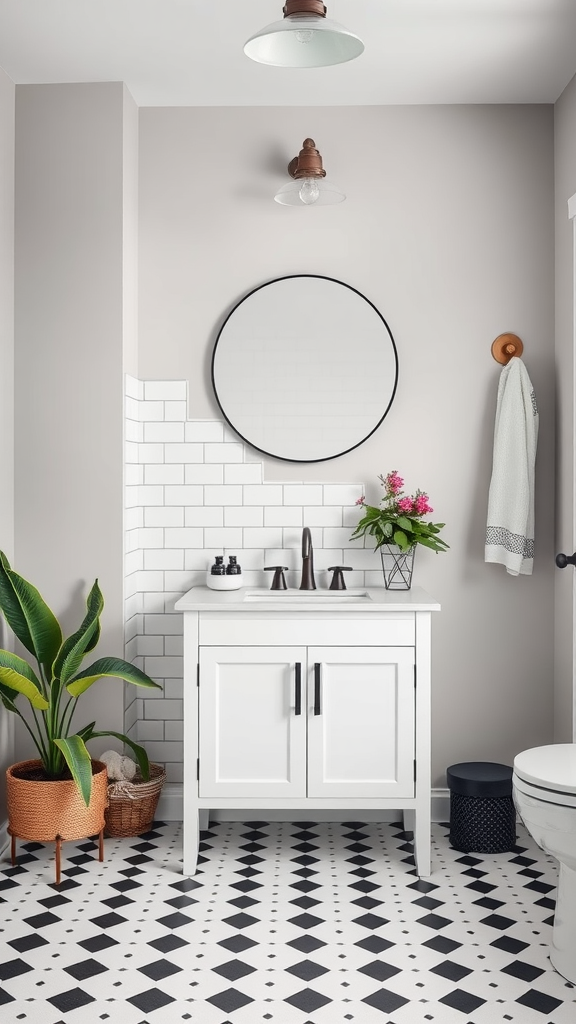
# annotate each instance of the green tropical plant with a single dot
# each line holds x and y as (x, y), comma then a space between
(54, 686)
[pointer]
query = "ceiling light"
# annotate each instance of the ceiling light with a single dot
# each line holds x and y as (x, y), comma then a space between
(309, 186)
(304, 39)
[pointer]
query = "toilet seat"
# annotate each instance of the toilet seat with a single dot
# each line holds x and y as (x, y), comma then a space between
(548, 772)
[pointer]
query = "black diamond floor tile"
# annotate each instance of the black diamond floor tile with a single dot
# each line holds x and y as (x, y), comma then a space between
(303, 923)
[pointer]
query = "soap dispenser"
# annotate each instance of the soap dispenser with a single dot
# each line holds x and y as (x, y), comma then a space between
(224, 577)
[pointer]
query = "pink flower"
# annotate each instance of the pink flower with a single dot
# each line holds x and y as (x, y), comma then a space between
(362, 500)
(422, 506)
(394, 482)
(405, 504)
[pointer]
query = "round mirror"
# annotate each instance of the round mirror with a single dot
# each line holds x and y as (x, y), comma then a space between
(304, 368)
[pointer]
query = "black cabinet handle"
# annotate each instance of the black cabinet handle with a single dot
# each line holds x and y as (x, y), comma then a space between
(317, 710)
(563, 560)
(298, 688)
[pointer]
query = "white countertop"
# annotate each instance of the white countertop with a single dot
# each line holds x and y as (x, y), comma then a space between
(353, 601)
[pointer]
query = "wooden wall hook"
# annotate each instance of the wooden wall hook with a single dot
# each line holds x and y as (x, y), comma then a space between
(505, 346)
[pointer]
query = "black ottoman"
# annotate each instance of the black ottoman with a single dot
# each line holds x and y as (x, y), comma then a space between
(482, 813)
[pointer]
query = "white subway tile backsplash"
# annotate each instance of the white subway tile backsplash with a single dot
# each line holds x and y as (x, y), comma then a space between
(164, 516)
(174, 730)
(264, 494)
(173, 645)
(151, 730)
(183, 452)
(163, 474)
(149, 646)
(134, 431)
(164, 559)
(302, 494)
(323, 515)
(164, 668)
(204, 431)
(151, 412)
(174, 689)
(243, 516)
(132, 497)
(133, 475)
(203, 474)
(153, 602)
(340, 537)
(243, 473)
(283, 515)
(223, 453)
(133, 388)
(151, 453)
(342, 494)
(250, 558)
(131, 408)
(180, 581)
(133, 561)
(152, 538)
(267, 537)
(185, 537)
(174, 772)
(374, 578)
(175, 411)
(131, 452)
(222, 495)
(202, 516)
(163, 624)
(166, 709)
(224, 537)
(133, 518)
(165, 390)
(185, 495)
(163, 433)
(193, 490)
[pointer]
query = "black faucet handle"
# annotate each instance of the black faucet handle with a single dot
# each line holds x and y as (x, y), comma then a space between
(338, 579)
(278, 582)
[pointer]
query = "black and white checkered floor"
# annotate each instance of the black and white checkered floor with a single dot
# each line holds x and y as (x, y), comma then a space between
(297, 923)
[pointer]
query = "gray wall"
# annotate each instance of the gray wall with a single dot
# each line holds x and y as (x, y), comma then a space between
(70, 143)
(6, 373)
(449, 229)
(565, 187)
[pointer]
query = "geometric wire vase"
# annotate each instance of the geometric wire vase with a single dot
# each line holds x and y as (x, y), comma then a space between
(397, 566)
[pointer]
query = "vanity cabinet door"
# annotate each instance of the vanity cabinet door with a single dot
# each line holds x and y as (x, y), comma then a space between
(361, 723)
(252, 726)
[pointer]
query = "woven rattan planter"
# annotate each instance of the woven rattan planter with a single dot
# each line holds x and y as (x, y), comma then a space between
(45, 810)
(132, 805)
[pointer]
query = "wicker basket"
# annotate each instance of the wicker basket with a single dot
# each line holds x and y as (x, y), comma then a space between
(42, 810)
(132, 805)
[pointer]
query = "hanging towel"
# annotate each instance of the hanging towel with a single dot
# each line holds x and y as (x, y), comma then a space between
(510, 527)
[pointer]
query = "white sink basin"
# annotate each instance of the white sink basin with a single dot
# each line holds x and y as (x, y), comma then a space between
(302, 596)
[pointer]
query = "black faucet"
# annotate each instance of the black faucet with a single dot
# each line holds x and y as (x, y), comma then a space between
(307, 582)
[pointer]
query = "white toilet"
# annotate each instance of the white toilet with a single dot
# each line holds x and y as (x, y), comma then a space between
(544, 790)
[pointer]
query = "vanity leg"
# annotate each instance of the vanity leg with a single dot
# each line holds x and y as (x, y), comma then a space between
(204, 818)
(409, 819)
(191, 840)
(422, 826)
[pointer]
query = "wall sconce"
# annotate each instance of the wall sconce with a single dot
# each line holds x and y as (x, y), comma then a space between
(309, 185)
(304, 39)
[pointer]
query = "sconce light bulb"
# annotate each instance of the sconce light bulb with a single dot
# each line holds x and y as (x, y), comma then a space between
(309, 191)
(304, 35)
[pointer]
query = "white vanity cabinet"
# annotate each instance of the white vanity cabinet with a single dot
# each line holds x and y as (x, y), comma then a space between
(307, 704)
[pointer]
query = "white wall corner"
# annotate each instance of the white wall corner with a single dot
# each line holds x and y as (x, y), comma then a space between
(572, 207)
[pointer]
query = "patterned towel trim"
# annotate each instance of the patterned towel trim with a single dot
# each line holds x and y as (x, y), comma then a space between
(499, 536)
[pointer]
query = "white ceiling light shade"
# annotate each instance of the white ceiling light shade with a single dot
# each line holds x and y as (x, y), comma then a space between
(304, 39)
(310, 186)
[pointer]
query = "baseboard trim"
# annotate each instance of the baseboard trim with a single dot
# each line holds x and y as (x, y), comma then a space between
(171, 805)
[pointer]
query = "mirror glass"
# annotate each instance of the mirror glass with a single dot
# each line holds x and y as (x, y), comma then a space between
(304, 368)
